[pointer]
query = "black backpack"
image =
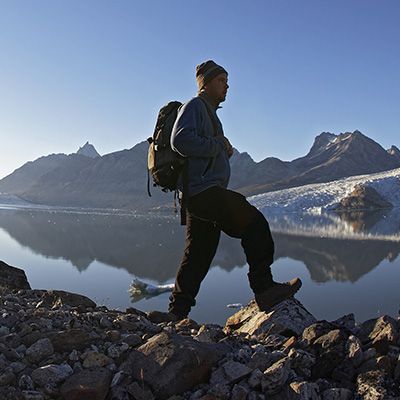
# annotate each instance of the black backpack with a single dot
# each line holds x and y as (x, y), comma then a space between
(164, 164)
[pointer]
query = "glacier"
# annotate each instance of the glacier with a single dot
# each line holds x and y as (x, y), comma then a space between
(308, 210)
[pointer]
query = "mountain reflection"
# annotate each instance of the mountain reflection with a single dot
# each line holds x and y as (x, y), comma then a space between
(150, 247)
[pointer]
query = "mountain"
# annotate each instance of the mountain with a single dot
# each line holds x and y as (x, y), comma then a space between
(23, 177)
(115, 180)
(119, 179)
(88, 150)
(331, 157)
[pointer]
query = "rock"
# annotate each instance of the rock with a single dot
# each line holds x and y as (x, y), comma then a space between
(288, 318)
(12, 277)
(300, 391)
(139, 392)
(40, 350)
(379, 333)
(210, 333)
(95, 359)
(51, 374)
(230, 373)
(239, 392)
(67, 340)
(396, 373)
(62, 298)
(25, 382)
(275, 377)
(354, 350)
(347, 321)
(113, 335)
(337, 394)
(330, 353)
(219, 391)
(363, 198)
(117, 349)
(316, 330)
(88, 384)
(58, 351)
(70, 339)
(301, 362)
(377, 385)
(172, 364)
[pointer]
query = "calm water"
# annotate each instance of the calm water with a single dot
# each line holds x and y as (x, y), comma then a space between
(347, 263)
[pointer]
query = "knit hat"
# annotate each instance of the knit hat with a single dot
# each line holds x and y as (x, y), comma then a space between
(207, 71)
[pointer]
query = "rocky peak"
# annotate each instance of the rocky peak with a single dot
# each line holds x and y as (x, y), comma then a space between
(321, 142)
(88, 150)
(394, 151)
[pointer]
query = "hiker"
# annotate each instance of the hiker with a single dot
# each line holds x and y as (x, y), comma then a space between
(198, 136)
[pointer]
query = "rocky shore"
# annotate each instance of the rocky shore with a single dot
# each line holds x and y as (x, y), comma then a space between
(62, 346)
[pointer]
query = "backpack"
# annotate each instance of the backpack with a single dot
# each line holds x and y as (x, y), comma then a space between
(164, 164)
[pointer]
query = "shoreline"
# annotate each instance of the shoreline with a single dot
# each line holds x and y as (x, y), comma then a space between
(57, 345)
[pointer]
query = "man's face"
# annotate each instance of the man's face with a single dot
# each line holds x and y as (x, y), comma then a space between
(217, 87)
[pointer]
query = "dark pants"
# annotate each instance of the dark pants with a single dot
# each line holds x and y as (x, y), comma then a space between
(208, 213)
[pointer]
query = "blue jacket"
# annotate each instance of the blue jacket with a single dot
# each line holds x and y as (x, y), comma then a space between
(193, 137)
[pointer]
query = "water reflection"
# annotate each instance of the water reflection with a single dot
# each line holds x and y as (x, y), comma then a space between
(341, 247)
(361, 225)
(365, 221)
(145, 246)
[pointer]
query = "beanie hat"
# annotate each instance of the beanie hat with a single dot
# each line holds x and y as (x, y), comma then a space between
(207, 71)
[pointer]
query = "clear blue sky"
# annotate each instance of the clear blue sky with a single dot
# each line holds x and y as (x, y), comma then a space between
(73, 71)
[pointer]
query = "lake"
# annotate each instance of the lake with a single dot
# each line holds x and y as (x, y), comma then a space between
(348, 263)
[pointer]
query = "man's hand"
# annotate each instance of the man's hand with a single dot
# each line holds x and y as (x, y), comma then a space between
(229, 147)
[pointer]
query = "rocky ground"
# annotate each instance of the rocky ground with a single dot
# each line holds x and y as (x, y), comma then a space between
(59, 345)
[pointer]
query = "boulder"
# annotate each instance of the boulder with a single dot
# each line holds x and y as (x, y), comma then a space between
(288, 318)
(12, 277)
(172, 364)
(67, 340)
(40, 350)
(316, 330)
(87, 384)
(62, 298)
(51, 374)
(363, 198)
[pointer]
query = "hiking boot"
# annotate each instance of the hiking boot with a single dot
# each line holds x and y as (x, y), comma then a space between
(277, 293)
(159, 316)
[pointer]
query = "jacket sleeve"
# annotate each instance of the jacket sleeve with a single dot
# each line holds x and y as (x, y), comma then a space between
(186, 138)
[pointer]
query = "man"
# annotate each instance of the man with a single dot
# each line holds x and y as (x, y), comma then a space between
(211, 208)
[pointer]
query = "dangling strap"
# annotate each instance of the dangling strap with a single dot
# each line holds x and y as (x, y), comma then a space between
(183, 200)
(148, 182)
